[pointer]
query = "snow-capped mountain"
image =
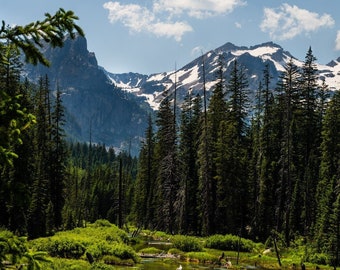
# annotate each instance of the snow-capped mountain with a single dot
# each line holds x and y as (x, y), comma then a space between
(253, 59)
(113, 108)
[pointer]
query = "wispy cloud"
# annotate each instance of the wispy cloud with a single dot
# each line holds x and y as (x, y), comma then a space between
(238, 25)
(137, 19)
(198, 9)
(197, 51)
(164, 18)
(286, 22)
(337, 41)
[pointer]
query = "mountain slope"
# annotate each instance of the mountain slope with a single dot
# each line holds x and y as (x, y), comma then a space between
(112, 108)
(190, 76)
(95, 108)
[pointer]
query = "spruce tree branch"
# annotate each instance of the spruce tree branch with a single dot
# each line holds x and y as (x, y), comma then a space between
(52, 29)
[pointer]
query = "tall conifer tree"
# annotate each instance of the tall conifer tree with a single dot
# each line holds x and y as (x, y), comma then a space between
(41, 188)
(167, 178)
(327, 215)
(58, 160)
(144, 201)
(288, 100)
(189, 138)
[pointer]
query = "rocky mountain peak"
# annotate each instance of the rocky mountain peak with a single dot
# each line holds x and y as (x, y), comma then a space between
(93, 104)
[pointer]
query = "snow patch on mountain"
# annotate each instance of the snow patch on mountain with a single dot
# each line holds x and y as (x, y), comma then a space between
(257, 52)
(190, 77)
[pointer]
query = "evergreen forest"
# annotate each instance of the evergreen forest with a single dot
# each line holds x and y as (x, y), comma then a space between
(227, 165)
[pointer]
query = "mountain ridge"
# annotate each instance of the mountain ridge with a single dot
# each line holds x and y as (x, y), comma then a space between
(113, 108)
(96, 110)
(253, 58)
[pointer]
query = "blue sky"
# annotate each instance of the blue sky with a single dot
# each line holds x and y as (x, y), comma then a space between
(151, 36)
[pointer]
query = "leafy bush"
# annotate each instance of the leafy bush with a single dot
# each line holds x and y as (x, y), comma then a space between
(98, 239)
(150, 250)
(100, 249)
(176, 251)
(101, 266)
(15, 250)
(187, 243)
(102, 223)
(125, 252)
(104, 229)
(61, 247)
(66, 264)
(229, 242)
(113, 260)
(318, 258)
(202, 257)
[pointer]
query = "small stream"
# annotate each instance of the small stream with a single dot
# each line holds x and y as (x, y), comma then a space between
(159, 264)
(163, 264)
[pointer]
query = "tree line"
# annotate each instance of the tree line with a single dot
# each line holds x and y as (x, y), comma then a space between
(215, 166)
(253, 169)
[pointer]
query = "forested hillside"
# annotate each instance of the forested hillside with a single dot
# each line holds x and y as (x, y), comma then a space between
(203, 170)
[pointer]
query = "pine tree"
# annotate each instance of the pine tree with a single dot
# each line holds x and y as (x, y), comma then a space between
(167, 178)
(58, 160)
(206, 153)
(28, 38)
(16, 176)
(189, 137)
(327, 196)
(144, 210)
(231, 181)
(237, 88)
(308, 134)
(23, 171)
(234, 131)
(41, 188)
(265, 130)
(288, 99)
(205, 166)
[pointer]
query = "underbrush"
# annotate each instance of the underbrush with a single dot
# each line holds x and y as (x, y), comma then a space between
(187, 243)
(100, 241)
(102, 245)
(230, 242)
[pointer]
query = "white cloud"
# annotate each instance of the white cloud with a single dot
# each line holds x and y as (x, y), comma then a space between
(198, 9)
(337, 41)
(197, 51)
(287, 21)
(238, 25)
(134, 17)
(175, 30)
(139, 19)
(159, 20)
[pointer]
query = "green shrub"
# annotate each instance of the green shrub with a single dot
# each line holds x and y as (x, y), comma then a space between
(66, 264)
(100, 249)
(110, 259)
(176, 251)
(318, 258)
(103, 228)
(150, 250)
(98, 239)
(229, 242)
(158, 235)
(186, 243)
(101, 266)
(125, 252)
(202, 257)
(61, 247)
(102, 223)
